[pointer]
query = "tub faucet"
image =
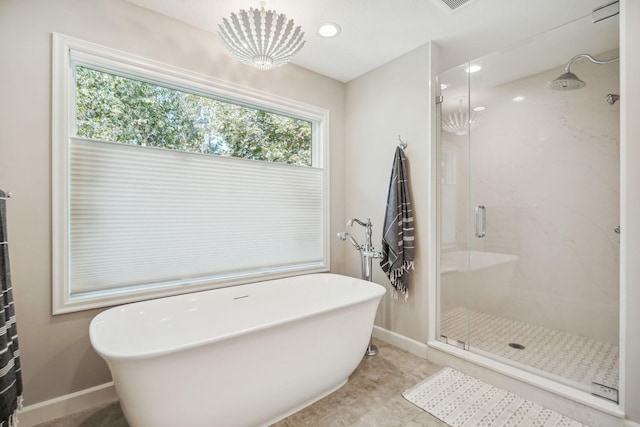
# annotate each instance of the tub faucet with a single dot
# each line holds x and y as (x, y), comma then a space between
(368, 246)
(364, 224)
(367, 253)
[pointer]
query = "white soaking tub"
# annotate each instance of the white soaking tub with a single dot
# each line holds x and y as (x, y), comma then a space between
(245, 355)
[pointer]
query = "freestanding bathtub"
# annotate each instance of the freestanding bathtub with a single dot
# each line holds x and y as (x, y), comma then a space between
(245, 355)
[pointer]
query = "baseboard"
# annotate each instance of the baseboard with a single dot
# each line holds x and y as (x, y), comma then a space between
(35, 414)
(400, 341)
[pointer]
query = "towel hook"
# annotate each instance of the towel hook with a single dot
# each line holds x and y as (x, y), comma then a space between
(7, 196)
(403, 144)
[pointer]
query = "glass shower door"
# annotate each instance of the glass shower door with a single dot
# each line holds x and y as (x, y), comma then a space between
(453, 199)
(529, 205)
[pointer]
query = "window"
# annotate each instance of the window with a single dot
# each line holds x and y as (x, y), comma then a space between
(167, 182)
(114, 108)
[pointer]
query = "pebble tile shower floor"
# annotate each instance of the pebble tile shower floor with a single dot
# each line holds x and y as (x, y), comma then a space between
(573, 357)
(372, 397)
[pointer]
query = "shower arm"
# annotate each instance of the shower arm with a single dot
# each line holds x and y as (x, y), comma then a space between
(590, 58)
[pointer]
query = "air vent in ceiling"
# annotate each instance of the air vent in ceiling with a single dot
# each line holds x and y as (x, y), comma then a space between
(454, 4)
(606, 11)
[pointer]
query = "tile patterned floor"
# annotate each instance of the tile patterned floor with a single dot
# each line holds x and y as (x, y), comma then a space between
(576, 358)
(372, 397)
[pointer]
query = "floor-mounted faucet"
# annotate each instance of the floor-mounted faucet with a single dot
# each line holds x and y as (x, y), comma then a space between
(367, 253)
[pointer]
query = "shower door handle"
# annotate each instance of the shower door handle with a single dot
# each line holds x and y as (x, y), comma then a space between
(481, 221)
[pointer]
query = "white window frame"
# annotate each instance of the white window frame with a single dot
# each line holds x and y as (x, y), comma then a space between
(68, 49)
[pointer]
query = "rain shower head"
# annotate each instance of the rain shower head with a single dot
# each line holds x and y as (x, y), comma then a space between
(569, 81)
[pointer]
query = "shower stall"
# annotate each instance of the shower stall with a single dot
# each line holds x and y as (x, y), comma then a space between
(528, 206)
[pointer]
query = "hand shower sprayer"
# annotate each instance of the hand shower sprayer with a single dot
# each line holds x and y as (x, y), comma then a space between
(367, 253)
(344, 236)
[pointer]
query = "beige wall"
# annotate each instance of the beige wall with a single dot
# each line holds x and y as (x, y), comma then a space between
(56, 354)
(389, 101)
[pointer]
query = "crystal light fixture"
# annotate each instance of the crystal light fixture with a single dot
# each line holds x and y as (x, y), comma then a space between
(261, 38)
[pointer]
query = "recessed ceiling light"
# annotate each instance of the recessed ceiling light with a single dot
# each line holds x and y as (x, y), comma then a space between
(474, 68)
(329, 30)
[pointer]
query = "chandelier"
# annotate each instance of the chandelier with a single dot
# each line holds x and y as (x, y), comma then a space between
(461, 122)
(261, 38)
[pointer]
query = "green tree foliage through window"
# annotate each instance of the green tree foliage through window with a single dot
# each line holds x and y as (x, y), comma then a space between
(118, 109)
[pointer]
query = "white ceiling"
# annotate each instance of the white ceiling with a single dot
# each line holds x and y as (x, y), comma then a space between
(377, 31)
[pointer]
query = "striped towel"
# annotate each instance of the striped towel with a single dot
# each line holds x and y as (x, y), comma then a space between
(10, 374)
(397, 237)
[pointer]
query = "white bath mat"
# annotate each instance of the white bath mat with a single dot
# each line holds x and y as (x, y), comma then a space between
(460, 400)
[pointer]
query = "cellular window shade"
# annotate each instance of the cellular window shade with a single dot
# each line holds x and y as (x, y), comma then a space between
(143, 216)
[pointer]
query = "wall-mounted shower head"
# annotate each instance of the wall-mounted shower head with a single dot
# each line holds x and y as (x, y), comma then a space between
(568, 80)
